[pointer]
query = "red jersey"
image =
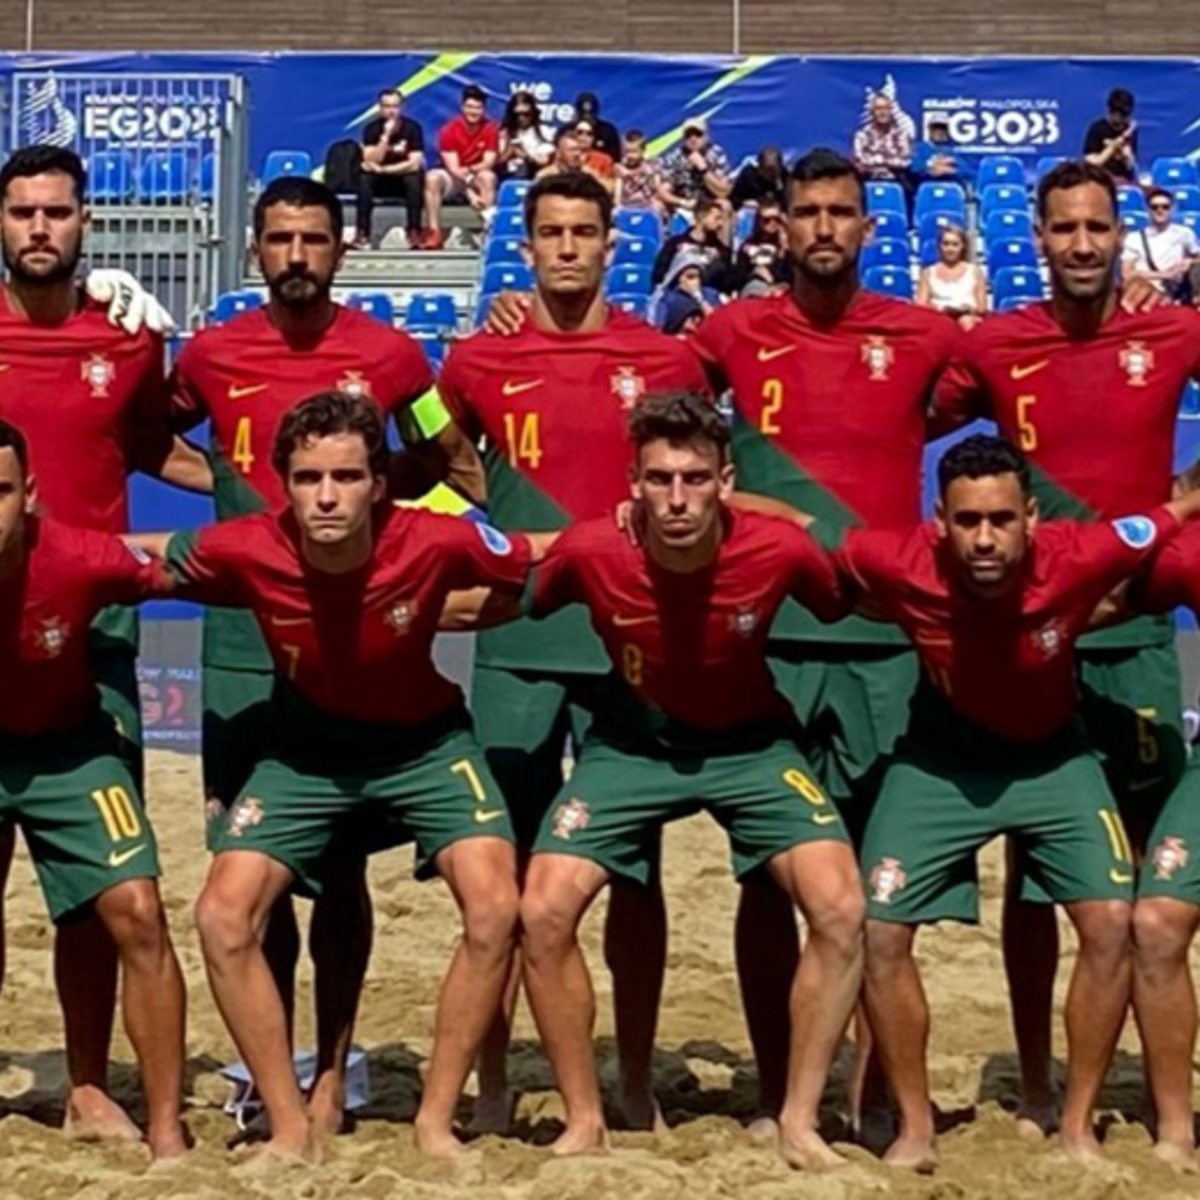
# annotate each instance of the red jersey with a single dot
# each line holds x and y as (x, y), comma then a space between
(1007, 665)
(469, 142)
(91, 402)
(355, 645)
(1173, 576)
(830, 418)
(553, 411)
(68, 576)
(690, 647)
(245, 376)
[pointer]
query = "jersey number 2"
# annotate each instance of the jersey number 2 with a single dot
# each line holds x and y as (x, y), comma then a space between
(772, 395)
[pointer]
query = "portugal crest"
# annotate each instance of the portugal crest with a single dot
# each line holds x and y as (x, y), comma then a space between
(744, 622)
(1170, 855)
(245, 814)
(1137, 362)
(400, 616)
(354, 384)
(878, 357)
(570, 818)
(98, 373)
(628, 386)
(52, 636)
(887, 878)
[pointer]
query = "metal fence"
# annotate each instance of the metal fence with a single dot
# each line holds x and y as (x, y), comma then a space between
(166, 158)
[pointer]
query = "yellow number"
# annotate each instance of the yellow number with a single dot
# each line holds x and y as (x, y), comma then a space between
(1028, 430)
(806, 787)
(1118, 838)
(772, 394)
(632, 662)
(243, 453)
(117, 811)
(466, 768)
(1146, 736)
(293, 653)
(524, 444)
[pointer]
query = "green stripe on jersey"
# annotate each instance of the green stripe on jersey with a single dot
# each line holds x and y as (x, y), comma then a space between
(564, 642)
(1056, 503)
(763, 468)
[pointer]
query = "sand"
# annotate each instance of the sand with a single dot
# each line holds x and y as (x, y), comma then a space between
(705, 1077)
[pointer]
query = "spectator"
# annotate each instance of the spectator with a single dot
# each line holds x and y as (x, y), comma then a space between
(935, 157)
(524, 146)
(608, 139)
(706, 235)
(1112, 140)
(639, 181)
(393, 167)
(685, 300)
(469, 146)
(699, 168)
(762, 263)
(882, 150)
(1164, 252)
(954, 284)
(568, 153)
(762, 180)
(595, 162)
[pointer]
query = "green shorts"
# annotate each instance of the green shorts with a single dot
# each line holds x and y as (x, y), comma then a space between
(301, 808)
(523, 720)
(853, 704)
(115, 669)
(1171, 867)
(79, 808)
(937, 810)
(618, 799)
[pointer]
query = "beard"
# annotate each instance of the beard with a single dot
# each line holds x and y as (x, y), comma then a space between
(61, 268)
(302, 290)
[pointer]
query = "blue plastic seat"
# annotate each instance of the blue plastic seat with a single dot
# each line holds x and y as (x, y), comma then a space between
(434, 346)
(164, 178)
(933, 196)
(1001, 197)
(930, 252)
(110, 177)
(890, 225)
(1174, 172)
(374, 304)
(1000, 168)
(286, 162)
(1011, 302)
(507, 277)
(504, 251)
(1135, 220)
(1047, 163)
(680, 222)
(743, 225)
(1187, 197)
(512, 194)
(1007, 223)
(1012, 252)
(433, 311)
(508, 223)
(233, 304)
(891, 281)
(885, 252)
(635, 252)
(628, 280)
(1016, 283)
(885, 195)
(482, 308)
(635, 305)
(931, 224)
(208, 176)
(1131, 199)
(639, 223)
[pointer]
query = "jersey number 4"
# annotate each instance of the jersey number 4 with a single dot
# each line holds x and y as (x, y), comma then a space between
(243, 443)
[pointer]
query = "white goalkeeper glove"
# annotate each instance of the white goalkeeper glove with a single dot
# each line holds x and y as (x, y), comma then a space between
(130, 306)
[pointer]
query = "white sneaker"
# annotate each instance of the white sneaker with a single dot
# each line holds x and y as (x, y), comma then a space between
(454, 239)
(396, 238)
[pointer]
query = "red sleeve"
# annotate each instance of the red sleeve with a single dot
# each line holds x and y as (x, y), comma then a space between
(448, 139)
(696, 379)
(410, 376)
(187, 406)
(555, 581)
(491, 137)
(1173, 576)
(482, 556)
(206, 562)
(960, 394)
(870, 562)
(121, 574)
(706, 344)
(812, 579)
(451, 387)
(1103, 554)
(149, 431)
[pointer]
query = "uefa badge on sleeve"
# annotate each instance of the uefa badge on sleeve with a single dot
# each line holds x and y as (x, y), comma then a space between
(1136, 532)
(494, 540)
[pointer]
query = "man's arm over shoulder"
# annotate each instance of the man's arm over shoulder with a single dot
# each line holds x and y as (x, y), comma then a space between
(960, 392)
(209, 563)
(813, 579)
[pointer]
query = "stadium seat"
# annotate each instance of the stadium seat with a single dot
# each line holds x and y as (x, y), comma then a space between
(680, 222)
(1011, 302)
(885, 196)
(639, 223)
(374, 304)
(1135, 220)
(1187, 197)
(743, 226)
(1007, 223)
(941, 197)
(1131, 199)
(890, 225)
(930, 252)
(1174, 172)
(1189, 402)
(635, 252)
(110, 177)
(507, 277)
(1000, 168)
(628, 280)
(932, 223)
(286, 162)
(164, 177)
(505, 251)
(1016, 283)
(482, 306)
(436, 310)
(433, 345)
(1190, 219)
(1000, 197)
(1012, 252)
(508, 223)
(891, 281)
(1047, 163)
(208, 176)
(885, 252)
(512, 194)
(232, 304)
(634, 305)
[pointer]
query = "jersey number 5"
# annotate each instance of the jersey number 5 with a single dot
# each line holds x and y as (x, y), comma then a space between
(1025, 426)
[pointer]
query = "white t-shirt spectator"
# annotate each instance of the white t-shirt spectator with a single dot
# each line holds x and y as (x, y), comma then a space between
(1157, 251)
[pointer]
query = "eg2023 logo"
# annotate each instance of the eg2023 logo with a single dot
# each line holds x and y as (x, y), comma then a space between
(992, 124)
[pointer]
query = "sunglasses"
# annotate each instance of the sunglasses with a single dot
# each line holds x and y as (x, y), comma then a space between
(1160, 208)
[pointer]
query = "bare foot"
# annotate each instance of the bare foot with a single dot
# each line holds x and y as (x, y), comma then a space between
(640, 1112)
(808, 1151)
(581, 1138)
(494, 1114)
(913, 1154)
(327, 1106)
(92, 1116)
(170, 1142)
(1036, 1122)
(1083, 1147)
(436, 1142)
(270, 1156)
(1179, 1156)
(764, 1130)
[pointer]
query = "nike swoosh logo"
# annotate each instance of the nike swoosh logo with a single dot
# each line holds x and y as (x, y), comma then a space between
(825, 818)
(770, 353)
(624, 622)
(1144, 785)
(1119, 877)
(513, 388)
(288, 622)
(485, 815)
(116, 859)
(240, 393)
(1024, 372)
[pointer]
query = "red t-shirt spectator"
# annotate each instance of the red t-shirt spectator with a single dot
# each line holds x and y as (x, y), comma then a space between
(469, 142)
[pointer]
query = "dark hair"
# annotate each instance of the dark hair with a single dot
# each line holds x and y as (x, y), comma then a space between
(1120, 101)
(588, 100)
(474, 92)
(979, 456)
(299, 192)
(11, 438)
(634, 135)
(1073, 173)
(705, 203)
(571, 185)
(328, 413)
(44, 160)
(679, 417)
(392, 92)
(562, 133)
(1155, 192)
(823, 163)
(510, 122)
